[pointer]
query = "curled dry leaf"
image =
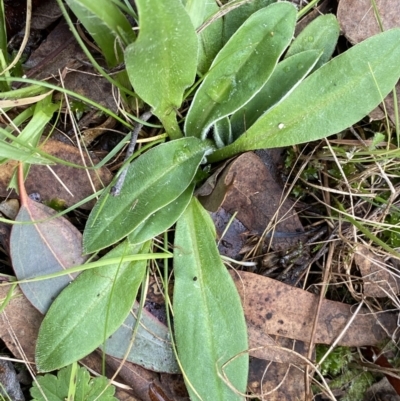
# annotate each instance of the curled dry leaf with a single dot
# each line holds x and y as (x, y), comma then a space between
(42, 179)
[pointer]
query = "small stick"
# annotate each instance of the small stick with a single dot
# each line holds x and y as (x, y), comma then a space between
(116, 189)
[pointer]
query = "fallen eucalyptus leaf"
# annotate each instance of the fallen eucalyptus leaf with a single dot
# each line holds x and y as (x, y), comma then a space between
(40, 248)
(152, 347)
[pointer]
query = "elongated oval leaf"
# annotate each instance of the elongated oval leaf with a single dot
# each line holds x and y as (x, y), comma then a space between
(162, 63)
(331, 99)
(321, 34)
(153, 180)
(161, 220)
(105, 22)
(152, 347)
(242, 67)
(239, 15)
(210, 39)
(38, 249)
(286, 77)
(89, 310)
(208, 317)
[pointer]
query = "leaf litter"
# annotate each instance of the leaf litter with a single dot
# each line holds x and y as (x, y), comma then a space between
(261, 291)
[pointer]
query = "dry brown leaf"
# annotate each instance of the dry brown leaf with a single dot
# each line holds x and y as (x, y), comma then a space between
(274, 381)
(274, 308)
(358, 21)
(61, 51)
(249, 188)
(379, 280)
(43, 181)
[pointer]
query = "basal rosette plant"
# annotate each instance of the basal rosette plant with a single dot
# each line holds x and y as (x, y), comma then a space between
(247, 87)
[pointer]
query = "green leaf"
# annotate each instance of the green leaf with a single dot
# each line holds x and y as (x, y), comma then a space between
(286, 77)
(153, 181)
(235, 18)
(89, 310)
(321, 34)
(242, 67)
(106, 24)
(209, 323)
(162, 219)
(152, 347)
(55, 388)
(162, 63)
(222, 133)
(334, 97)
(210, 38)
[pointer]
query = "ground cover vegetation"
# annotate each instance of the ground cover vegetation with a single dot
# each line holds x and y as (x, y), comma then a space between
(198, 84)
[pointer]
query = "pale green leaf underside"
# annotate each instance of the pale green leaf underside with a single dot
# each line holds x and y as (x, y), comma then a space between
(331, 99)
(242, 67)
(208, 317)
(153, 180)
(89, 310)
(152, 347)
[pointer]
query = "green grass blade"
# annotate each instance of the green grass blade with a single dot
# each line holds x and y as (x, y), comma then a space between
(209, 323)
